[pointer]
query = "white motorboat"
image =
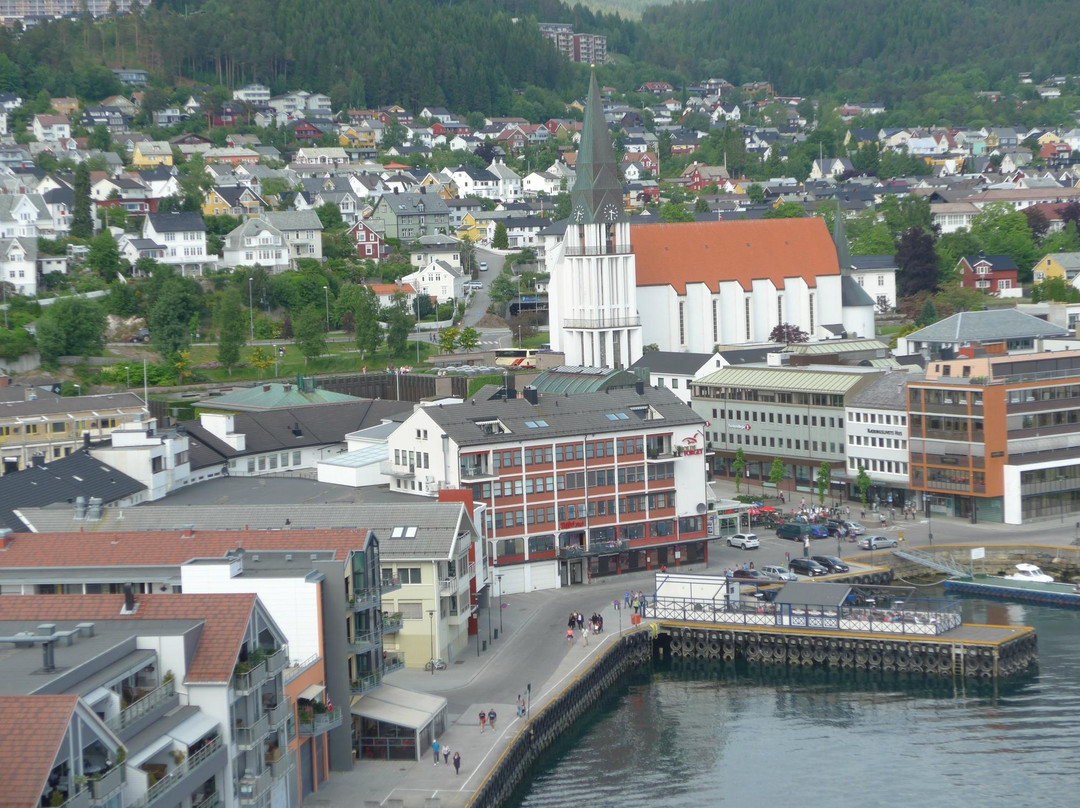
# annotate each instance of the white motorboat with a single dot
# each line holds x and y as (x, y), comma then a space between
(1030, 572)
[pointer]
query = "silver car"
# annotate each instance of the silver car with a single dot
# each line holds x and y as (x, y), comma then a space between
(780, 573)
(876, 542)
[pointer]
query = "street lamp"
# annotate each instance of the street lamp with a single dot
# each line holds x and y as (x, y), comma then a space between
(251, 308)
(431, 631)
(489, 615)
(77, 387)
(499, 579)
(929, 523)
(326, 290)
(128, 369)
(417, 299)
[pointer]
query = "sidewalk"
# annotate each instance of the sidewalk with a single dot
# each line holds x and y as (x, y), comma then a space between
(532, 651)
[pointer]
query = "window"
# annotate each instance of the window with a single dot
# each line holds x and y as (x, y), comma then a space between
(411, 610)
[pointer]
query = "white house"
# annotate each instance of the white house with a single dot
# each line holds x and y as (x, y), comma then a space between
(51, 128)
(302, 230)
(256, 242)
(876, 274)
(540, 183)
(439, 280)
(254, 94)
(183, 235)
(426, 249)
(876, 430)
(676, 371)
(508, 188)
(475, 182)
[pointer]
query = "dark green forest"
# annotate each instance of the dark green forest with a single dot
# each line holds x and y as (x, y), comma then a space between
(485, 55)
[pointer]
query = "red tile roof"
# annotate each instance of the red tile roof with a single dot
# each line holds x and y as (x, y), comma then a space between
(712, 252)
(225, 620)
(164, 548)
(27, 757)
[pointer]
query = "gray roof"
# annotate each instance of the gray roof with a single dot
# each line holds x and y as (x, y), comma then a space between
(683, 364)
(294, 219)
(584, 414)
(871, 262)
(105, 404)
(813, 594)
(852, 294)
(887, 392)
(177, 222)
(77, 475)
(993, 325)
(407, 203)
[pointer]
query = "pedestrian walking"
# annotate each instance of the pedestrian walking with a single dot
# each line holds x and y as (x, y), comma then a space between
(435, 749)
(457, 763)
(580, 621)
(626, 599)
(787, 557)
(585, 635)
(569, 636)
(445, 754)
(520, 706)
(483, 721)
(491, 718)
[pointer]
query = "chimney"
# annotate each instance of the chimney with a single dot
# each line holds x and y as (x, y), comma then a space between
(93, 511)
(80, 508)
(37, 461)
(6, 538)
(530, 394)
(188, 531)
(639, 387)
(129, 600)
(86, 440)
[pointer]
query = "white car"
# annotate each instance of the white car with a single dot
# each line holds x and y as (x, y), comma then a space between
(483, 266)
(474, 285)
(780, 573)
(747, 541)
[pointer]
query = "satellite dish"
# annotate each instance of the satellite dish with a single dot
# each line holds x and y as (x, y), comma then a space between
(701, 507)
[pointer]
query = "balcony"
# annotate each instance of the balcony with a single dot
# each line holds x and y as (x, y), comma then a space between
(365, 683)
(397, 470)
(391, 623)
(80, 799)
(363, 643)
(255, 789)
(194, 769)
(251, 736)
(212, 801)
(162, 699)
(603, 322)
(611, 249)
(364, 599)
(476, 472)
(387, 585)
(244, 681)
(599, 548)
(108, 784)
(393, 662)
(279, 714)
(277, 660)
(319, 723)
(282, 766)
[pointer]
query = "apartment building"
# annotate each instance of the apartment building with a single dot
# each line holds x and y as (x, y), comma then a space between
(877, 440)
(997, 438)
(797, 414)
(141, 700)
(574, 486)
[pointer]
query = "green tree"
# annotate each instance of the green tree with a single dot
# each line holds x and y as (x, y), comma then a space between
(100, 138)
(755, 193)
(121, 300)
(824, 474)
(310, 329)
(500, 241)
(562, 207)
(82, 223)
(675, 212)
(788, 334)
(701, 205)
(231, 329)
(393, 134)
(72, 326)
(104, 256)
(785, 210)
(1002, 231)
(1057, 289)
(448, 339)
(776, 473)
(398, 323)
(368, 329)
(901, 214)
(876, 240)
(737, 466)
(863, 483)
(917, 261)
(330, 216)
(928, 315)
(175, 300)
(468, 339)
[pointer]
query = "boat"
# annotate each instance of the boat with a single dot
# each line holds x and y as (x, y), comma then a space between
(1029, 572)
(1028, 583)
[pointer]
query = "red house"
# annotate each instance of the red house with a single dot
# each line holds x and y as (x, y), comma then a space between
(990, 274)
(369, 244)
(305, 130)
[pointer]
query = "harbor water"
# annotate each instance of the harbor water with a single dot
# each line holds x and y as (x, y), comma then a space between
(702, 734)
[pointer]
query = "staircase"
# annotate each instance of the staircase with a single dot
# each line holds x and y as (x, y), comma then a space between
(934, 561)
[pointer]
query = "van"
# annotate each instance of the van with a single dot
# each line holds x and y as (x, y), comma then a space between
(797, 530)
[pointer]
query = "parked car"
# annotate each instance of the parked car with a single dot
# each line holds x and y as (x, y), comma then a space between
(836, 528)
(780, 573)
(831, 563)
(756, 576)
(796, 530)
(875, 542)
(854, 528)
(807, 566)
(483, 266)
(747, 541)
(474, 285)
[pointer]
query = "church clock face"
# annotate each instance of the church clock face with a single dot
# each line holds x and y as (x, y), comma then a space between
(611, 213)
(578, 215)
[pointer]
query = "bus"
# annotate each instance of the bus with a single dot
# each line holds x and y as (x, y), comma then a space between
(516, 357)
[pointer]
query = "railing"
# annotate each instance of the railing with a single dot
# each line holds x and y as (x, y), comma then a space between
(318, 723)
(363, 599)
(928, 617)
(249, 680)
(80, 799)
(102, 788)
(393, 663)
(391, 624)
(254, 790)
(363, 643)
(397, 469)
(212, 801)
(292, 671)
(365, 683)
(279, 714)
(390, 584)
(603, 322)
(598, 548)
(249, 737)
(475, 472)
(450, 586)
(166, 783)
(613, 249)
(137, 709)
(282, 766)
(277, 660)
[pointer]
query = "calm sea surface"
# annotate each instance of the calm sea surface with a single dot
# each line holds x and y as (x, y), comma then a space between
(703, 736)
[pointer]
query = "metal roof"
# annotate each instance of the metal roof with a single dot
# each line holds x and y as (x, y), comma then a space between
(835, 346)
(993, 325)
(575, 380)
(810, 379)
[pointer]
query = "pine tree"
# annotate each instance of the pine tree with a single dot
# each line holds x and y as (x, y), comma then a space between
(82, 225)
(232, 329)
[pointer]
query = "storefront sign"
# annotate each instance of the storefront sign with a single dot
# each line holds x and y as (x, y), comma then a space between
(570, 523)
(739, 426)
(895, 432)
(693, 451)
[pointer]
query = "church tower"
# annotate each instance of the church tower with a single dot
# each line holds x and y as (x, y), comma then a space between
(593, 287)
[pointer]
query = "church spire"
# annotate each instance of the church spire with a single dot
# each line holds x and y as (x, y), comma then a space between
(843, 252)
(597, 195)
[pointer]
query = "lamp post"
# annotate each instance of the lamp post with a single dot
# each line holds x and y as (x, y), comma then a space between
(251, 308)
(431, 630)
(499, 579)
(128, 369)
(417, 299)
(489, 616)
(326, 291)
(77, 387)
(528, 703)
(929, 522)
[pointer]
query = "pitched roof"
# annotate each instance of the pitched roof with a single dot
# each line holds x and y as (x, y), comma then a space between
(998, 263)
(28, 757)
(742, 251)
(993, 325)
(177, 222)
(294, 219)
(77, 475)
(597, 187)
(224, 618)
(682, 364)
(105, 404)
(273, 396)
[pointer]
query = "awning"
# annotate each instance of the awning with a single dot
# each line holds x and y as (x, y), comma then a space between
(195, 728)
(311, 692)
(121, 669)
(147, 752)
(400, 707)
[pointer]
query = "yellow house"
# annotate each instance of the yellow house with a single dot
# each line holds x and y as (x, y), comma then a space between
(1064, 265)
(233, 201)
(445, 188)
(1048, 137)
(357, 137)
(472, 229)
(150, 153)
